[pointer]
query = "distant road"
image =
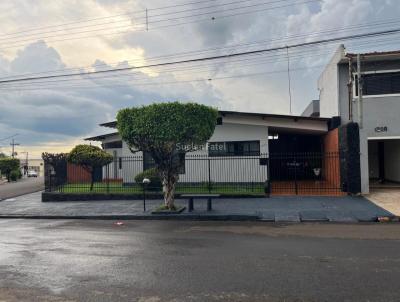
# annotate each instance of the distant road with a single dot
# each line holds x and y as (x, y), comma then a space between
(24, 186)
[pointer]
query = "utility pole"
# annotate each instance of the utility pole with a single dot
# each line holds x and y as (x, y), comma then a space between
(26, 162)
(360, 92)
(289, 80)
(13, 144)
(147, 20)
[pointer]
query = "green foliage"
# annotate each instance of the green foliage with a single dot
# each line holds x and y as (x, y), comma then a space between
(54, 159)
(89, 156)
(167, 126)
(15, 175)
(167, 131)
(58, 163)
(152, 175)
(2, 155)
(7, 165)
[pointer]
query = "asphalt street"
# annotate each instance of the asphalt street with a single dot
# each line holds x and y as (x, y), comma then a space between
(151, 261)
(21, 187)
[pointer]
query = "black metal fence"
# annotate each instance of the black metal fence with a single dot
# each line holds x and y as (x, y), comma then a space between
(276, 174)
(305, 173)
(231, 175)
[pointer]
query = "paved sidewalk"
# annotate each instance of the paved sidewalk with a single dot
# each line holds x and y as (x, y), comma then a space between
(388, 199)
(21, 187)
(278, 209)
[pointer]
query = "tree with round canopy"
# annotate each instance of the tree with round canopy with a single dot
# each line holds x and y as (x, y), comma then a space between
(167, 131)
(89, 157)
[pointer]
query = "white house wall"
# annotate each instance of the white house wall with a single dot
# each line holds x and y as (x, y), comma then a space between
(392, 160)
(309, 125)
(223, 169)
(328, 86)
(379, 112)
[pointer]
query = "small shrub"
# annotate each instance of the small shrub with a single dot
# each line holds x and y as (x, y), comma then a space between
(7, 165)
(155, 180)
(15, 175)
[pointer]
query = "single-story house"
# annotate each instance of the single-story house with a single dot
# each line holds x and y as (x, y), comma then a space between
(294, 154)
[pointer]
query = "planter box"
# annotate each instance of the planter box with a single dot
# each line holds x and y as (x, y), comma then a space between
(167, 212)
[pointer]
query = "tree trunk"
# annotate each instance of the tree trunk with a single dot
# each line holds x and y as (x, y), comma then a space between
(169, 183)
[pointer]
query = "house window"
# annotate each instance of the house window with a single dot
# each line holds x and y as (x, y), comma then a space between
(148, 162)
(113, 145)
(380, 83)
(247, 148)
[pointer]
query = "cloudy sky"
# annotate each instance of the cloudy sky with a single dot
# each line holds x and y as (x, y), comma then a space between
(43, 37)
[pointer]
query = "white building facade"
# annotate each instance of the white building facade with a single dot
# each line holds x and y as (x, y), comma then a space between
(236, 152)
(377, 112)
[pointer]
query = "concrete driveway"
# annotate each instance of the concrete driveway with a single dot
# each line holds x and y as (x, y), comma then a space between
(389, 199)
(21, 187)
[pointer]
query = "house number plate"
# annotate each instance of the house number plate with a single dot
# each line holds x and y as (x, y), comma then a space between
(381, 129)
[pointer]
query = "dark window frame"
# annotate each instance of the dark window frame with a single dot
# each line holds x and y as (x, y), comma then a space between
(389, 83)
(148, 162)
(113, 145)
(235, 148)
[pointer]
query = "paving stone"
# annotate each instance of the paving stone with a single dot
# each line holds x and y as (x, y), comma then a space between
(267, 216)
(362, 216)
(310, 216)
(341, 217)
(287, 217)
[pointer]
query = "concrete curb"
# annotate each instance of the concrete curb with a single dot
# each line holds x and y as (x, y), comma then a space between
(186, 217)
(193, 217)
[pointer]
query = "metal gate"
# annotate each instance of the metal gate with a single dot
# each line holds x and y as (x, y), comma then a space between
(314, 173)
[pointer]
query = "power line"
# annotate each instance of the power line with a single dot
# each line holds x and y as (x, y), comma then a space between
(210, 79)
(108, 17)
(158, 21)
(14, 135)
(151, 17)
(253, 61)
(94, 80)
(216, 57)
(145, 83)
(180, 54)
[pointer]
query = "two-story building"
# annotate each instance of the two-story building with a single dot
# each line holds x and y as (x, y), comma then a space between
(375, 107)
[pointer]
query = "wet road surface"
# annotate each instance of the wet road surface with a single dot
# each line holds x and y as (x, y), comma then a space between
(21, 187)
(151, 261)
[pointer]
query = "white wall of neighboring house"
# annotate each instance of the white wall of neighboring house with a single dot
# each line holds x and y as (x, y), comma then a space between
(328, 86)
(378, 111)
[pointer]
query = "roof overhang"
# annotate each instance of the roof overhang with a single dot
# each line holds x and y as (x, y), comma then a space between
(279, 116)
(373, 56)
(113, 124)
(100, 138)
